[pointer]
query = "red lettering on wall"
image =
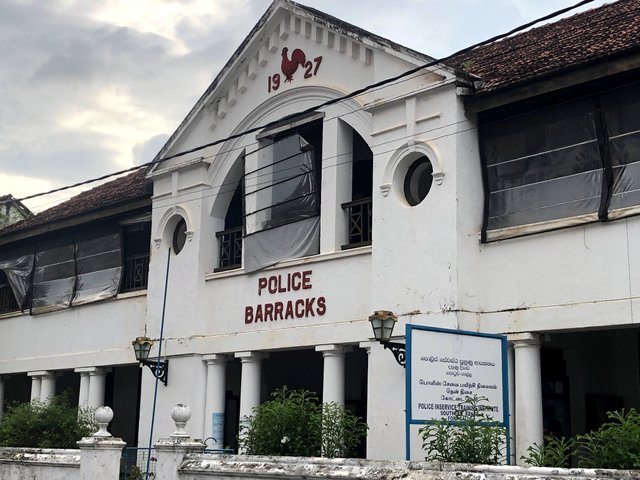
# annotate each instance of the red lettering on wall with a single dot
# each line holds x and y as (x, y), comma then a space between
(306, 279)
(322, 306)
(248, 314)
(277, 311)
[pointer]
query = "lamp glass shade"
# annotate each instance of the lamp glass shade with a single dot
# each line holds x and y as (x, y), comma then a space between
(142, 348)
(387, 329)
(382, 322)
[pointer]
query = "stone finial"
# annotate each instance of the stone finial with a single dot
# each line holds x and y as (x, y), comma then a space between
(103, 416)
(181, 415)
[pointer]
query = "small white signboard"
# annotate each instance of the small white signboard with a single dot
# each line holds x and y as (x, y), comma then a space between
(444, 367)
(448, 367)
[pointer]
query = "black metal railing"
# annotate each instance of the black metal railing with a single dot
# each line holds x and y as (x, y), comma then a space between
(230, 242)
(7, 299)
(359, 222)
(133, 463)
(135, 275)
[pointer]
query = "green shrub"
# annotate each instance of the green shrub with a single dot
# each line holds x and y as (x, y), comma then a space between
(55, 424)
(293, 423)
(471, 437)
(554, 452)
(616, 444)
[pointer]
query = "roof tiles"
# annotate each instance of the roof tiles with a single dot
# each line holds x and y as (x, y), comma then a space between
(599, 33)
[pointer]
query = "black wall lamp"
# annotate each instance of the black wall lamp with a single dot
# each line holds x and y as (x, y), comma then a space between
(142, 347)
(382, 322)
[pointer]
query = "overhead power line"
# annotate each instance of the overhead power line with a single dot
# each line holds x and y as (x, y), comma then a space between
(327, 103)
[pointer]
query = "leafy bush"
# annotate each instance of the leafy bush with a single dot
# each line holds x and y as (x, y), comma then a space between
(616, 444)
(471, 437)
(555, 452)
(55, 424)
(293, 423)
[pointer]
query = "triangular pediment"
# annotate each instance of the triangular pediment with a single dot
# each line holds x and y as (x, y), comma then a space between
(293, 46)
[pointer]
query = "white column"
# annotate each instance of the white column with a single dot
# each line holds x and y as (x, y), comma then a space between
(96, 387)
(1, 395)
(214, 399)
(337, 153)
(333, 373)
(48, 386)
(83, 396)
(528, 392)
(249, 382)
(36, 385)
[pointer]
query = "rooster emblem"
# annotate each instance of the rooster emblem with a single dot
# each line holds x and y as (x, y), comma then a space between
(289, 67)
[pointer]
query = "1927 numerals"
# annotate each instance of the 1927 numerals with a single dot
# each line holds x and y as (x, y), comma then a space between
(310, 70)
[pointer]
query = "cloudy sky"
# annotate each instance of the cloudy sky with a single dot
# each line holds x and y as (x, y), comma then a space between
(88, 87)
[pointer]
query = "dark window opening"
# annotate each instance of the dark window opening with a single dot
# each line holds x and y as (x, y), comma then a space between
(359, 210)
(8, 301)
(230, 239)
(179, 236)
(136, 253)
(418, 180)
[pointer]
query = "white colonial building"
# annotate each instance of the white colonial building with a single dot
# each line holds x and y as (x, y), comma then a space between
(493, 192)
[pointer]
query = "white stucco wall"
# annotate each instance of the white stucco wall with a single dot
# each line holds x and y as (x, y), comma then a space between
(91, 335)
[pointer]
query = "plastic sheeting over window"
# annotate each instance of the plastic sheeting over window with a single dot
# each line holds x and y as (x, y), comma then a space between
(54, 276)
(17, 267)
(69, 270)
(282, 204)
(99, 266)
(621, 113)
(541, 168)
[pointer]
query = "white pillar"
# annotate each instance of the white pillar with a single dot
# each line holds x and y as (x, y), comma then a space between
(97, 378)
(337, 153)
(1, 395)
(333, 373)
(249, 383)
(36, 385)
(48, 386)
(214, 399)
(528, 392)
(83, 396)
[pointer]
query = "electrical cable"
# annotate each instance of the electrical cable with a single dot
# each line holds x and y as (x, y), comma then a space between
(327, 103)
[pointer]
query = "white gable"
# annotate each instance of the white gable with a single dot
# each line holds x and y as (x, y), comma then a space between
(292, 49)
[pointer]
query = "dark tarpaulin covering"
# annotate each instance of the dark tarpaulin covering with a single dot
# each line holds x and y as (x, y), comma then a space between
(17, 265)
(282, 199)
(73, 271)
(98, 265)
(54, 275)
(543, 166)
(621, 111)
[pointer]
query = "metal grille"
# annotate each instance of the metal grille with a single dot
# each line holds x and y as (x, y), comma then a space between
(230, 248)
(133, 464)
(136, 273)
(359, 214)
(7, 299)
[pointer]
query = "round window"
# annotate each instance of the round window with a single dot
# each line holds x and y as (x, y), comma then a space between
(418, 180)
(179, 236)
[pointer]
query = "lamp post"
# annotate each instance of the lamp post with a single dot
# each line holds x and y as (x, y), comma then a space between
(142, 347)
(382, 322)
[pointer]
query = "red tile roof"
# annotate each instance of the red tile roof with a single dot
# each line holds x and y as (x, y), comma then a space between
(116, 192)
(596, 34)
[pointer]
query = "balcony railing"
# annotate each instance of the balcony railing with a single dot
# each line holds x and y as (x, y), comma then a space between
(359, 213)
(7, 300)
(136, 273)
(230, 242)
